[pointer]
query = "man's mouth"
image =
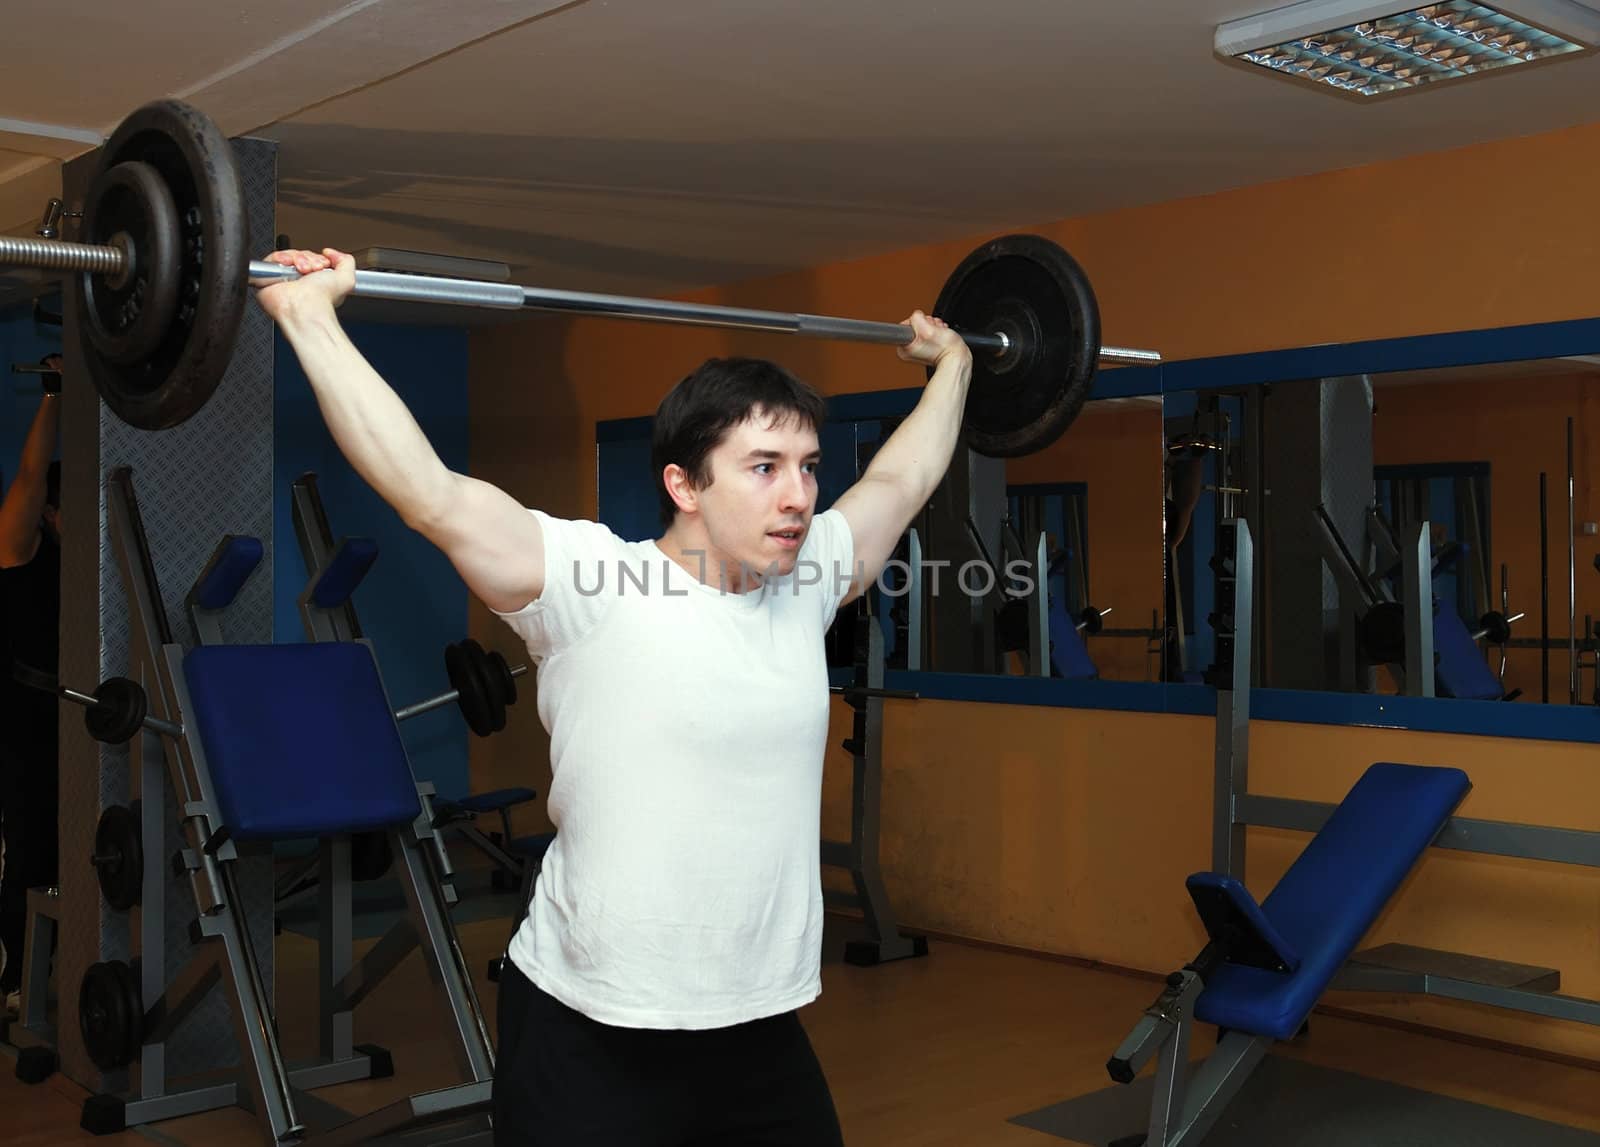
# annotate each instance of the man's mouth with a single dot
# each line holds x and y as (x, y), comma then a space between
(789, 537)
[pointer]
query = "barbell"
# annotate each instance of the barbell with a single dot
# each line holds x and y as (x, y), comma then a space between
(162, 273)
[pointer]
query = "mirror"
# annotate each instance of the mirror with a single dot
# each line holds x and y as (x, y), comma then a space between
(1087, 512)
(1398, 518)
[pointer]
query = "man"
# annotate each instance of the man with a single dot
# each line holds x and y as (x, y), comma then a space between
(650, 996)
(30, 606)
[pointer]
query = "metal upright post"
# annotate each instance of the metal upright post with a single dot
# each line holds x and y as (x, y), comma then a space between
(1233, 703)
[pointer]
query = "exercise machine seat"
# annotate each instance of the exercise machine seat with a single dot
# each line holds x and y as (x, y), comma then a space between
(1333, 892)
(299, 740)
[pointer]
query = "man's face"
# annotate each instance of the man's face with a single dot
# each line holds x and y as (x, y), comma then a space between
(762, 494)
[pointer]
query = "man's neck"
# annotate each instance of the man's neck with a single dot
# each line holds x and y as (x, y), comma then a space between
(688, 546)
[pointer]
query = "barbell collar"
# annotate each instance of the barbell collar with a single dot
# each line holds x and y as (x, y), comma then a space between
(88, 701)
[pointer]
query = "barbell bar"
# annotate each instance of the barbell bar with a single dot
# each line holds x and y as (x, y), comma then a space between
(44, 254)
(160, 276)
(433, 289)
(854, 693)
(409, 288)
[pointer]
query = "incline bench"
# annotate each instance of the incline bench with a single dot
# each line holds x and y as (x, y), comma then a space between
(1266, 965)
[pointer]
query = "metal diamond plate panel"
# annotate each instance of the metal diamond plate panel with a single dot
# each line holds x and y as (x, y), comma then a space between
(195, 482)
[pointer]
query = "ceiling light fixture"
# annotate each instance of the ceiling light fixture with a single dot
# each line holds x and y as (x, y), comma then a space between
(1366, 50)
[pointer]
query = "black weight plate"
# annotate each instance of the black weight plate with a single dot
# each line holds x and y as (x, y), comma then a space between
(194, 160)
(1383, 633)
(134, 1002)
(119, 856)
(370, 855)
(1011, 626)
(478, 659)
(505, 683)
(465, 680)
(1035, 293)
(120, 711)
(110, 1016)
(126, 318)
(1496, 629)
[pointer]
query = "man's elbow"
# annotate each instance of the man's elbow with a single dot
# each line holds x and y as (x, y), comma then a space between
(430, 511)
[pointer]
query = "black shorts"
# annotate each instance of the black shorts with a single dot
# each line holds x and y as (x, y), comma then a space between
(564, 1080)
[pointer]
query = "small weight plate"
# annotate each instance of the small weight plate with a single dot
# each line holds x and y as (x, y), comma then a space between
(173, 379)
(119, 856)
(126, 318)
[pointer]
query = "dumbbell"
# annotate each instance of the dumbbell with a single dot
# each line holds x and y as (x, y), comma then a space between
(483, 686)
(49, 376)
(117, 709)
(1091, 621)
(1495, 627)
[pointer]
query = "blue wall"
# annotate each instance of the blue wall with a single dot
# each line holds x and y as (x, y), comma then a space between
(412, 603)
(25, 341)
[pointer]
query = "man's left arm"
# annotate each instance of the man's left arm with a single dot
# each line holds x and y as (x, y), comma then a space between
(910, 465)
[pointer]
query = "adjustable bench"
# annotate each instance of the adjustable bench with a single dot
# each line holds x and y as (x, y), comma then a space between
(263, 743)
(294, 741)
(1266, 965)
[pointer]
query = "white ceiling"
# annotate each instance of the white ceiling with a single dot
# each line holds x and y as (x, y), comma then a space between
(659, 145)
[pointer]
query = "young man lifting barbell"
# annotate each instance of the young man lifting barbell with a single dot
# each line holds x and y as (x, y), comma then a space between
(651, 992)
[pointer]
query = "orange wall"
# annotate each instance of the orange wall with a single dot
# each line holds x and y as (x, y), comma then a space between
(1070, 831)
(1520, 428)
(1116, 450)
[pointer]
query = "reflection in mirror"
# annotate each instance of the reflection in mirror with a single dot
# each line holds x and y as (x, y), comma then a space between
(1421, 532)
(1046, 565)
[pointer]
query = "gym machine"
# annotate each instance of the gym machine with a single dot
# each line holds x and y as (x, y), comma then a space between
(261, 743)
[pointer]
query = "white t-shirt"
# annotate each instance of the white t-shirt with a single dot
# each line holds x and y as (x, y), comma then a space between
(688, 725)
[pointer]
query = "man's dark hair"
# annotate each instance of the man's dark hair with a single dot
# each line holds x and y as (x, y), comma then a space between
(723, 392)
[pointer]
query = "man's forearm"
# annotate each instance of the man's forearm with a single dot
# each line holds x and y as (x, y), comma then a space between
(918, 453)
(370, 424)
(24, 500)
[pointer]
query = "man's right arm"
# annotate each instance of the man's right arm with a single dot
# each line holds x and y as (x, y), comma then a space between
(24, 500)
(494, 542)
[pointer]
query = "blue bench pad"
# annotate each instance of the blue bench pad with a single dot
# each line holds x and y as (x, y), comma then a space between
(1333, 892)
(299, 740)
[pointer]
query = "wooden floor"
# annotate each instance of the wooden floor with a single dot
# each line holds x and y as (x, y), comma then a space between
(924, 1053)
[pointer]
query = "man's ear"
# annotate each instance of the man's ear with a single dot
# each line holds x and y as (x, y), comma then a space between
(680, 488)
